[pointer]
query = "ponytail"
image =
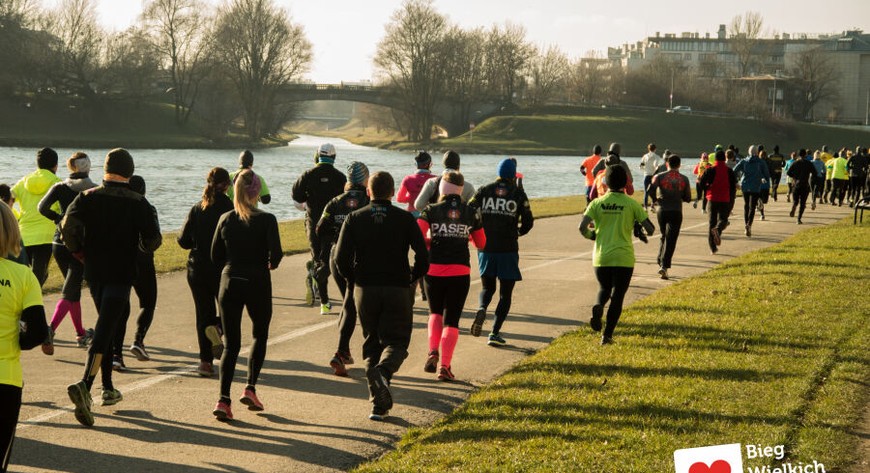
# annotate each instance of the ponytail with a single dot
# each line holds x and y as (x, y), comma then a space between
(246, 192)
(217, 182)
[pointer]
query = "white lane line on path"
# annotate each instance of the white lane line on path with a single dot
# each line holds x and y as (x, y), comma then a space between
(148, 382)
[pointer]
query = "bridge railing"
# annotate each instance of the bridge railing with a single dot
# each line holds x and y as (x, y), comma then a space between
(333, 87)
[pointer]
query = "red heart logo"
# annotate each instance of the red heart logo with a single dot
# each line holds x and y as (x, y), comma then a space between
(718, 466)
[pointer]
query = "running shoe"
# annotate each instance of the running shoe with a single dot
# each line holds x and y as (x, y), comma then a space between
(477, 325)
(138, 350)
(346, 357)
(81, 397)
(325, 308)
(431, 365)
(379, 413)
(791, 214)
(337, 364)
(85, 339)
(748, 231)
(444, 374)
(250, 399)
(762, 215)
(812, 207)
(111, 397)
(205, 369)
(799, 222)
(664, 273)
(695, 204)
(118, 364)
(213, 334)
(597, 314)
(495, 340)
(607, 340)
(380, 388)
(717, 240)
(48, 344)
(222, 411)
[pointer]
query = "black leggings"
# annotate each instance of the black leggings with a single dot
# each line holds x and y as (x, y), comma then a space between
(146, 290)
(799, 201)
(750, 203)
(237, 292)
(719, 212)
(39, 256)
(839, 190)
(505, 292)
(204, 288)
(700, 195)
(613, 282)
(320, 255)
(447, 297)
(347, 319)
(73, 272)
(111, 301)
(670, 222)
(857, 188)
(775, 178)
(10, 400)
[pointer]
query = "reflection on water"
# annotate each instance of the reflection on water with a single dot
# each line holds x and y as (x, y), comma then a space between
(175, 178)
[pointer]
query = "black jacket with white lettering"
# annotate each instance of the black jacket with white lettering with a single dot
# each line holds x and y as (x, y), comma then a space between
(316, 187)
(506, 215)
(451, 222)
(334, 214)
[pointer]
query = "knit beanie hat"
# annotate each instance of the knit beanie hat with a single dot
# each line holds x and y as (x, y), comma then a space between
(451, 160)
(119, 162)
(615, 177)
(357, 173)
(507, 169)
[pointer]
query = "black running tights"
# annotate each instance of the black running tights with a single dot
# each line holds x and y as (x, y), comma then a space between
(613, 282)
(447, 297)
(505, 292)
(236, 294)
(10, 408)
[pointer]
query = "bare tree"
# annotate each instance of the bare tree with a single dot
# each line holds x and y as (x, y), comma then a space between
(78, 47)
(17, 40)
(261, 50)
(465, 65)
(815, 79)
(131, 65)
(410, 57)
(178, 28)
(547, 70)
(508, 53)
(745, 31)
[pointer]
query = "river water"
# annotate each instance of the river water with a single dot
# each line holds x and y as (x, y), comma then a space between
(175, 178)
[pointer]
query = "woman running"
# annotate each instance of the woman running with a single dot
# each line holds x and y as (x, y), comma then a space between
(614, 216)
(446, 228)
(20, 304)
(247, 246)
(63, 193)
(202, 275)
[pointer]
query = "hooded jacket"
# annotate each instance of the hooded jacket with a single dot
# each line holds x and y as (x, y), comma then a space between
(754, 170)
(35, 229)
(63, 194)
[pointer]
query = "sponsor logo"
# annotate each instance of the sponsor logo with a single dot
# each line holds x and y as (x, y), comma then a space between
(712, 459)
(453, 214)
(352, 203)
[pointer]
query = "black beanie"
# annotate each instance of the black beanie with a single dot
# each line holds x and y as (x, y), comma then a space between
(119, 162)
(615, 177)
(451, 160)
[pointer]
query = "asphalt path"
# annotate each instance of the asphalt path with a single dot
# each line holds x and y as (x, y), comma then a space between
(315, 421)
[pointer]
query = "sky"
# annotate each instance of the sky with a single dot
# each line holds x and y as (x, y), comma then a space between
(345, 33)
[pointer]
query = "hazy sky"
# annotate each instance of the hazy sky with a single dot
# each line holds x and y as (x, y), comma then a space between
(345, 32)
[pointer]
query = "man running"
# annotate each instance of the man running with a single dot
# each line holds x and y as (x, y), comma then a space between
(857, 174)
(312, 191)
(649, 163)
(839, 178)
(507, 215)
(586, 169)
(801, 172)
(775, 163)
(372, 251)
(754, 173)
(105, 227)
(817, 181)
(720, 185)
(826, 156)
(246, 161)
(669, 190)
(429, 193)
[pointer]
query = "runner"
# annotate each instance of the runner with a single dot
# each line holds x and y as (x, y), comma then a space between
(801, 172)
(586, 169)
(817, 181)
(614, 216)
(8, 199)
(788, 180)
(613, 157)
(826, 156)
(649, 163)
(203, 276)
(858, 174)
(36, 230)
(246, 161)
(328, 228)
(764, 194)
(104, 227)
(839, 178)
(702, 166)
(775, 163)
(507, 215)
(20, 307)
(446, 227)
(145, 286)
(72, 269)
(372, 252)
(410, 189)
(246, 246)
(754, 172)
(312, 191)
(670, 189)
(429, 193)
(720, 185)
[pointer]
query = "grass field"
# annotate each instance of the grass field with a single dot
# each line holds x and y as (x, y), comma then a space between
(769, 348)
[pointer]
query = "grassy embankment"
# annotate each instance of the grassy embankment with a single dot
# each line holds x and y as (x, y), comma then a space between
(61, 122)
(574, 131)
(170, 257)
(769, 348)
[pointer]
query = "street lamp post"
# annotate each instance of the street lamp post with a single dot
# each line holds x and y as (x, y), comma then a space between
(867, 113)
(672, 89)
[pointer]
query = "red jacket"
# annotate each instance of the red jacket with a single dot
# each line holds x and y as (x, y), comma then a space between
(719, 183)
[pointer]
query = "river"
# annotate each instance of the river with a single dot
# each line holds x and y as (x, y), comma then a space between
(175, 178)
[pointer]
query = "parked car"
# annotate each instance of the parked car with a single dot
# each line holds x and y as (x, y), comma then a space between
(680, 109)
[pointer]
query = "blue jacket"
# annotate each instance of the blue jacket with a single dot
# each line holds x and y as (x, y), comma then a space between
(753, 170)
(820, 167)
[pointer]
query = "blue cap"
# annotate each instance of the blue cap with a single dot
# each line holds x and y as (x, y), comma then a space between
(507, 168)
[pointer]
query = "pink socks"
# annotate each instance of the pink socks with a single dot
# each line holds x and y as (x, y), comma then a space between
(449, 337)
(75, 312)
(436, 322)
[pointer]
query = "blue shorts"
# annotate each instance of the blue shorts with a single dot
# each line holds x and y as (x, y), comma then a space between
(504, 266)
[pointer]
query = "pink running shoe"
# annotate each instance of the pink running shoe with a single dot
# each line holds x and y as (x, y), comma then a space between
(222, 411)
(250, 399)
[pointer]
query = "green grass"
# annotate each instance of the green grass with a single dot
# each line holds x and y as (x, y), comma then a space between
(769, 348)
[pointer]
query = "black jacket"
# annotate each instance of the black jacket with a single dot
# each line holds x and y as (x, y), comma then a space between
(198, 232)
(246, 248)
(336, 212)
(109, 224)
(316, 187)
(451, 222)
(506, 214)
(802, 171)
(373, 246)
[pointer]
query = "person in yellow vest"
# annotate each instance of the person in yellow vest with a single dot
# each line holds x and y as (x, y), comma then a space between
(36, 230)
(839, 176)
(826, 156)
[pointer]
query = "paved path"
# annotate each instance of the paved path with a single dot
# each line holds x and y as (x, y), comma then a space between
(315, 421)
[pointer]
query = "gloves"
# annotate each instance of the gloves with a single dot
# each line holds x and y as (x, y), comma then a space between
(638, 232)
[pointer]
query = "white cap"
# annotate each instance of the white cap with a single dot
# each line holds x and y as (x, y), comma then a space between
(326, 149)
